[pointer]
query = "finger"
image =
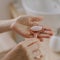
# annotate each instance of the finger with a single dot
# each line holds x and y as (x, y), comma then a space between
(31, 32)
(41, 39)
(47, 32)
(43, 36)
(47, 28)
(34, 24)
(36, 18)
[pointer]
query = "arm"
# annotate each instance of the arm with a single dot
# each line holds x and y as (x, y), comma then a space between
(5, 25)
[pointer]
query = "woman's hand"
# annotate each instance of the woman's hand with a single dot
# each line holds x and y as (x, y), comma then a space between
(24, 50)
(22, 25)
(46, 33)
(29, 20)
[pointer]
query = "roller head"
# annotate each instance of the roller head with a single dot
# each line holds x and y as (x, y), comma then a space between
(36, 28)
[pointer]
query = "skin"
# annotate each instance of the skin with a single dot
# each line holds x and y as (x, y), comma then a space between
(30, 21)
(5, 25)
(15, 53)
(26, 21)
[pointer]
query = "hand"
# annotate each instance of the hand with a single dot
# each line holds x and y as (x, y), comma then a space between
(29, 20)
(21, 51)
(41, 32)
(46, 33)
(22, 25)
